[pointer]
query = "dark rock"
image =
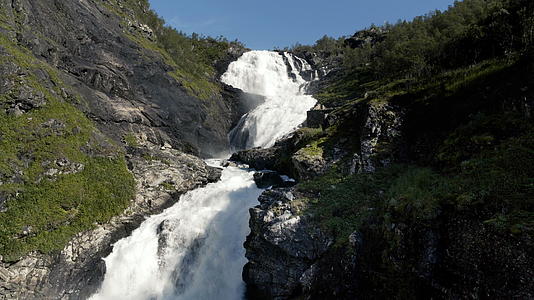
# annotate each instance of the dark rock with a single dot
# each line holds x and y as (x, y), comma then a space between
(317, 116)
(214, 174)
(233, 54)
(240, 103)
(266, 178)
(282, 245)
(365, 37)
(260, 159)
(123, 91)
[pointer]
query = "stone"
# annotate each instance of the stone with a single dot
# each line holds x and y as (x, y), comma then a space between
(3, 201)
(5, 275)
(265, 179)
(282, 245)
(15, 111)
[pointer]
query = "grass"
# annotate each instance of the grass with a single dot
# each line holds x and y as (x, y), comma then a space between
(57, 210)
(313, 149)
(131, 140)
(480, 159)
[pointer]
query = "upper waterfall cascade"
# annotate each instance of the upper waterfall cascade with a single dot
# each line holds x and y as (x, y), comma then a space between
(194, 249)
(277, 77)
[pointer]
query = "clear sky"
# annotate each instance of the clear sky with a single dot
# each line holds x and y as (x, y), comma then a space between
(266, 24)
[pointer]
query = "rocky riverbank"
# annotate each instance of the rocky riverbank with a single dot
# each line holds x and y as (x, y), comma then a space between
(75, 272)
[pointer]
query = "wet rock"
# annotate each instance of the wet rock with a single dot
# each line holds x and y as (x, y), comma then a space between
(260, 159)
(233, 53)
(228, 163)
(213, 174)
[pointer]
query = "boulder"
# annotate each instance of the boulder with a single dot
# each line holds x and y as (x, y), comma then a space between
(282, 245)
(267, 178)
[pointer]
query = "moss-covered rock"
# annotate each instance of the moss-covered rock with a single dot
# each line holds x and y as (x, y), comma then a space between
(59, 175)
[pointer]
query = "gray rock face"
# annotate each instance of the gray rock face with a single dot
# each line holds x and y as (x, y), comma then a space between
(257, 158)
(375, 141)
(125, 87)
(380, 135)
(77, 271)
(282, 245)
(308, 165)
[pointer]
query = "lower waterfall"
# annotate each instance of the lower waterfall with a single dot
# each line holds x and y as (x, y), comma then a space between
(194, 249)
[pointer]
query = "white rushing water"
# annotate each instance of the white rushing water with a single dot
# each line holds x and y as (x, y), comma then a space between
(194, 249)
(266, 73)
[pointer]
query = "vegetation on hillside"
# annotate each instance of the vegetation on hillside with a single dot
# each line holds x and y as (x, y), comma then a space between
(58, 175)
(460, 76)
(469, 33)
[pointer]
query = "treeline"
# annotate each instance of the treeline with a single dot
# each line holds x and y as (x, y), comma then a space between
(467, 33)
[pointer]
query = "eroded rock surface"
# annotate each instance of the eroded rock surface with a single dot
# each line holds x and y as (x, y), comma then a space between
(281, 247)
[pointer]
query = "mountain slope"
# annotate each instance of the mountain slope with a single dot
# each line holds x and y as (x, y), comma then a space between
(92, 99)
(416, 175)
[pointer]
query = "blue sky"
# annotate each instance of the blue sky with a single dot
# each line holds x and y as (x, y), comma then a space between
(266, 24)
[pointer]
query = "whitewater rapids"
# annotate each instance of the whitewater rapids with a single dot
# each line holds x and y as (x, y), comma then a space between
(193, 250)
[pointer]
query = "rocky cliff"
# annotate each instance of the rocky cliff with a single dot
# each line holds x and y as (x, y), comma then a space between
(404, 192)
(111, 63)
(95, 117)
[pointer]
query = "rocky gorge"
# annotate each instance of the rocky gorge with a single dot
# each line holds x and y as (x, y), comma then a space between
(405, 187)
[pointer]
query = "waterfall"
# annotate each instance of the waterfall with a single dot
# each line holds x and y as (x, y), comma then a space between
(266, 73)
(194, 249)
